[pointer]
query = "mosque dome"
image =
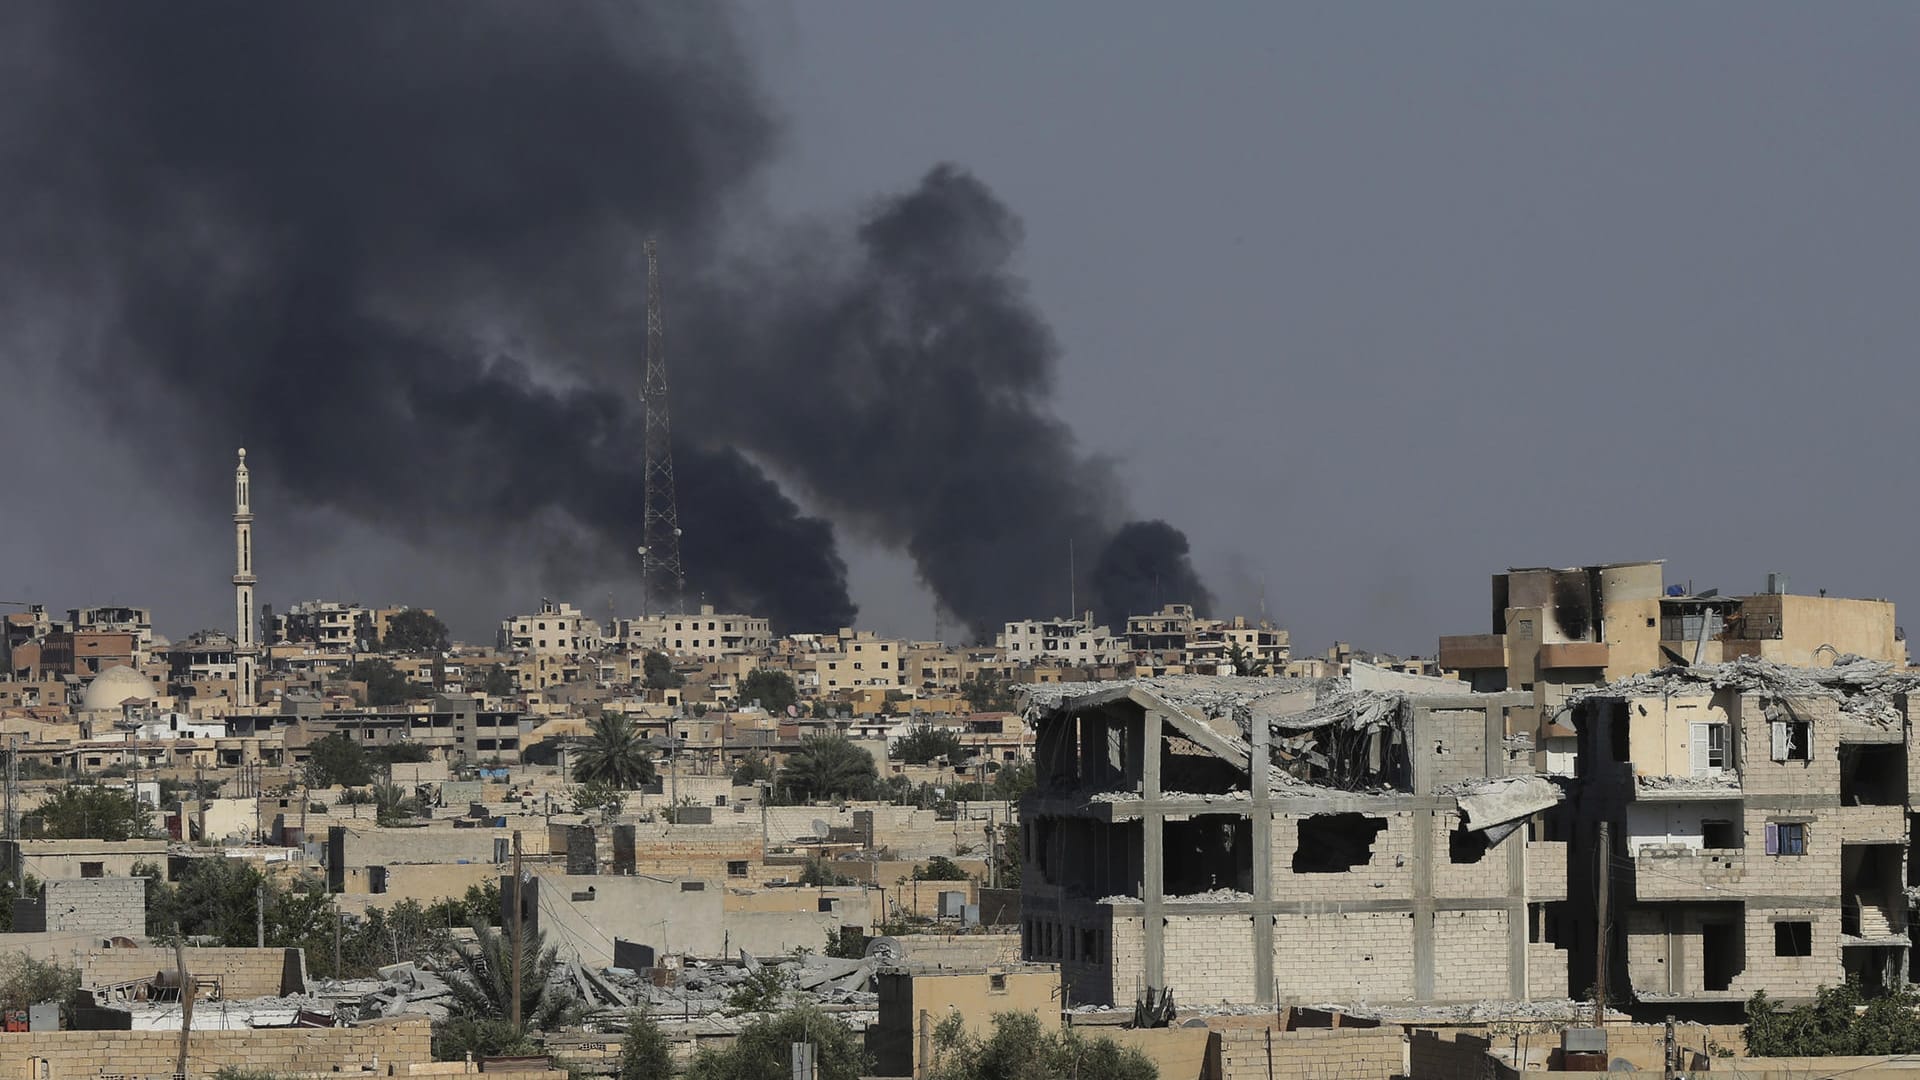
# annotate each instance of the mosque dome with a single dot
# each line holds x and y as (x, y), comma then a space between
(113, 686)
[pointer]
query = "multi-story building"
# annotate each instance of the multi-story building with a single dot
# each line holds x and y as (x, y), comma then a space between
(1061, 641)
(117, 620)
(1257, 840)
(705, 635)
(863, 659)
(1557, 631)
(1757, 830)
(555, 630)
(329, 625)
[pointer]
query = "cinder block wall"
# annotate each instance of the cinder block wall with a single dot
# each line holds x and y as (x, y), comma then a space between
(75, 1055)
(244, 973)
(106, 906)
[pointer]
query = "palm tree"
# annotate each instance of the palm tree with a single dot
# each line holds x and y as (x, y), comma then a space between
(1244, 662)
(391, 804)
(483, 985)
(614, 755)
(828, 766)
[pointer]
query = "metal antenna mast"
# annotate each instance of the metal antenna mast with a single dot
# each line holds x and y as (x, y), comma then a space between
(660, 557)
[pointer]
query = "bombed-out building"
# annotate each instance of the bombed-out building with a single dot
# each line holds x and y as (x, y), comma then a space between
(1253, 840)
(1758, 826)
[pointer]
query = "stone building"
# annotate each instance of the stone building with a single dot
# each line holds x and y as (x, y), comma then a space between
(1758, 829)
(1267, 840)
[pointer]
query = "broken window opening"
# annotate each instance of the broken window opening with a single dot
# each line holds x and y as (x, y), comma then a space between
(1720, 835)
(1466, 846)
(1873, 775)
(1618, 732)
(1335, 843)
(1187, 767)
(1871, 891)
(1723, 954)
(1793, 939)
(1792, 740)
(1207, 853)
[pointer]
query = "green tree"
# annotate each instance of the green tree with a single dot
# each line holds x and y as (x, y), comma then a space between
(924, 742)
(396, 753)
(338, 761)
(1010, 856)
(752, 768)
(482, 984)
(1244, 662)
(386, 685)
(414, 632)
(829, 767)
(818, 872)
(614, 755)
(393, 804)
(88, 812)
(846, 943)
(763, 1049)
(1840, 1021)
(762, 990)
(645, 1053)
(1021, 1049)
(986, 693)
(596, 797)
(481, 904)
(1013, 780)
(25, 982)
(774, 690)
(495, 682)
(939, 868)
(659, 672)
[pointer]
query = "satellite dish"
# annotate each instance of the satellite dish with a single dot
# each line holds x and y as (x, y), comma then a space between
(1621, 1065)
(886, 950)
(793, 710)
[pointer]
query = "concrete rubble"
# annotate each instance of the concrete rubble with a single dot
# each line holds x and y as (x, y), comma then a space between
(1864, 689)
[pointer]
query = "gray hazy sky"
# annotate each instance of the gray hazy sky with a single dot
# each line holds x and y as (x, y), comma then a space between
(1371, 300)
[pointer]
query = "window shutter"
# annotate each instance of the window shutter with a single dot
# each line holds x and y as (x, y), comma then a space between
(1697, 748)
(1779, 740)
(1773, 838)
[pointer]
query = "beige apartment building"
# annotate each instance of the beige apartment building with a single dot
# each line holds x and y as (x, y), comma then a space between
(554, 630)
(1061, 641)
(863, 660)
(705, 634)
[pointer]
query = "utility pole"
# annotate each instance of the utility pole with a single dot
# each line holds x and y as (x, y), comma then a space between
(260, 915)
(516, 930)
(339, 920)
(1672, 1066)
(661, 516)
(1600, 927)
(13, 822)
(186, 1003)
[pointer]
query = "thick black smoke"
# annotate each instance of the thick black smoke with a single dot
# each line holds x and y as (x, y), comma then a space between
(392, 249)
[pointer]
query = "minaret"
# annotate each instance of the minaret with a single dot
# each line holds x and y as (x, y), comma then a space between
(245, 648)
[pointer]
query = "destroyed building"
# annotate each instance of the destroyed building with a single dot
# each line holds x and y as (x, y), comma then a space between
(1255, 840)
(1758, 829)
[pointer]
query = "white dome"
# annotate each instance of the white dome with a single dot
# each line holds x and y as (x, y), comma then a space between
(113, 686)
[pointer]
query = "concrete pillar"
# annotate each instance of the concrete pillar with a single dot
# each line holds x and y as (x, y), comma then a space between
(1153, 852)
(1259, 773)
(1421, 754)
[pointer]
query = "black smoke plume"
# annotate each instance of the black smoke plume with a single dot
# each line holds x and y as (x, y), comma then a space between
(392, 249)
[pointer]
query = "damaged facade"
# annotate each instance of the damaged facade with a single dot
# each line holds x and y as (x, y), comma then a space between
(1761, 828)
(1252, 840)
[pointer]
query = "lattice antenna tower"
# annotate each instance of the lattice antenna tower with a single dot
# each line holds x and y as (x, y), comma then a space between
(660, 561)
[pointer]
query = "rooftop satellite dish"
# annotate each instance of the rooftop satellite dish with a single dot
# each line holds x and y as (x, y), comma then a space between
(1621, 1065)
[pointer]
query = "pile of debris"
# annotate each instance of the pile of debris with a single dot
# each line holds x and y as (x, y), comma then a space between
(1864, 689)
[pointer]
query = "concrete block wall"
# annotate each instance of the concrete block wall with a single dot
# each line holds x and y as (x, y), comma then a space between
(106, 906)
(1366, 956)
(81, 1055)
(1656, 947)
(1259, 1053)
(1455, 741)
(243, 973)
(1488, 876)
(1546, 870)
(1210, 958)
(1470, 955)
(1546, 971)
(1388, 875)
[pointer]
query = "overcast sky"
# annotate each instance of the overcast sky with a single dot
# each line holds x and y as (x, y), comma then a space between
(1372, 300)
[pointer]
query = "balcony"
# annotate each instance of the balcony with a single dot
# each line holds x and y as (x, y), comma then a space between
(1468, 652)
(1573, 654)
(1658, 787)
(1688, 873)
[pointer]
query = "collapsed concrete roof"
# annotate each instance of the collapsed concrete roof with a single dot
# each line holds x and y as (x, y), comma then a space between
(1865, 689)
(1294, 711)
